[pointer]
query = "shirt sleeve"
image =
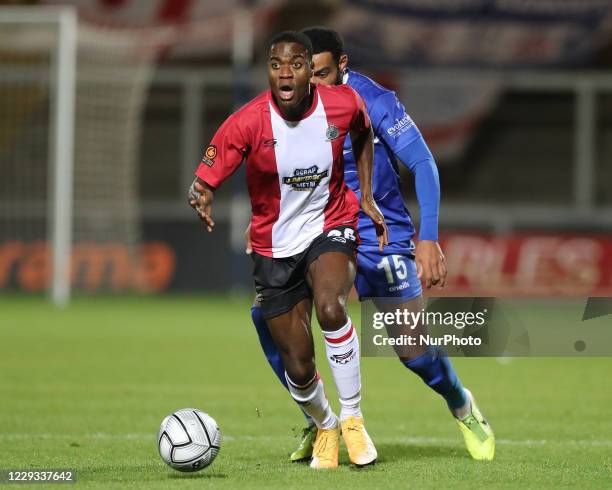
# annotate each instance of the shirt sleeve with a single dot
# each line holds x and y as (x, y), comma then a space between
(417, 157)
(392, 123)
(360, 121)
(224, 155)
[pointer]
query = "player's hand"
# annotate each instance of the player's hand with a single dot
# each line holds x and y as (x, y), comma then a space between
(200, 198)
(247, 238)
(431, 263)
(371, 209)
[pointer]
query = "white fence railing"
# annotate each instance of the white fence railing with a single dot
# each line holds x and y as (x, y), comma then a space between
(580, 209)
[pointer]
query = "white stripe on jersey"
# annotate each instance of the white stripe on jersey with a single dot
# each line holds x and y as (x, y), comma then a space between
(300, 147)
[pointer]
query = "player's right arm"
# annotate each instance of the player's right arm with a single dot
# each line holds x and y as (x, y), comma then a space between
(201, 197)
(221, 158)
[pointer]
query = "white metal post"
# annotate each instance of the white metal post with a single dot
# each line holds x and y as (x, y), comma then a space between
(62, 113)
(61, 145)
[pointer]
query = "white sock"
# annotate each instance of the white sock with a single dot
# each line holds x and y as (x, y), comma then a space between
(312, 400)
(342, 348)
(465, 410)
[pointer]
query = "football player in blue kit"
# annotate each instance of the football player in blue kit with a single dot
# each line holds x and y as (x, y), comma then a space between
(394, 274)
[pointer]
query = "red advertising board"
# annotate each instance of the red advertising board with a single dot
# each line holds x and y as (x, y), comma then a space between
(528, 265)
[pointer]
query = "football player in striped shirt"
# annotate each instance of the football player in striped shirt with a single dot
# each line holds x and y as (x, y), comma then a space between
(303, 229)
(393, 275)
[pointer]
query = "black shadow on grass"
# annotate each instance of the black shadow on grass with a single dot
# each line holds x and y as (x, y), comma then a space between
(196, 476)
(388, 453)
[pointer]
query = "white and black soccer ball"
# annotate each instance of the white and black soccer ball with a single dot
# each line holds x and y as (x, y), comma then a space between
(188, 440)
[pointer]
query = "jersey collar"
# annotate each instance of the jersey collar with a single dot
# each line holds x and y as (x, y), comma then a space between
(345, 75)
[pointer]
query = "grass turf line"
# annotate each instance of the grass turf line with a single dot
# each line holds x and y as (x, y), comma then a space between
(86, 388)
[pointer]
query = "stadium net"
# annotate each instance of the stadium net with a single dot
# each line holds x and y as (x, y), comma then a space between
(71, 105)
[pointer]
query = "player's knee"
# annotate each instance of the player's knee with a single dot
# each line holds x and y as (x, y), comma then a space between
(331, 314)
(300, 371)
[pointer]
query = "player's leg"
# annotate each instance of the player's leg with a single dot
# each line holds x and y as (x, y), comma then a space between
(292, 335)
(429, 363)
(394, 285)
(286, 306)
(434, 367)
(331, 277)
(393, 280)
(304, 450)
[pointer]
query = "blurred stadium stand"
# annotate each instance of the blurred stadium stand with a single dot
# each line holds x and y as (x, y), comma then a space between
(514, 98)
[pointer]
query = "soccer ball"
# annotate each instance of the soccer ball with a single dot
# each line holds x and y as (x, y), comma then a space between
(188, 440)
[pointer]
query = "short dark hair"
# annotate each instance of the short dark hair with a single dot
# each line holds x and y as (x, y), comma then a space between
(324, 40)
(293, 37)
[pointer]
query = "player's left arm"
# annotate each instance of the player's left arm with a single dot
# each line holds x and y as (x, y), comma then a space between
(431, 263)
(401, 134)
(362, 140)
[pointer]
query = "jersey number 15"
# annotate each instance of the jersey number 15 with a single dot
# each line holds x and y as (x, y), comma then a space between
(401, 271)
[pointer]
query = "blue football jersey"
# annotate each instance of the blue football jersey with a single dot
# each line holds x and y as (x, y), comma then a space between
(393, 130)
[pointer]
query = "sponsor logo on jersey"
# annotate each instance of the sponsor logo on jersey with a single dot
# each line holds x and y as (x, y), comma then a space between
(399, 287)
(305, 179)
(332, 132)
(209, 155)
(401, 126)
(343, 358)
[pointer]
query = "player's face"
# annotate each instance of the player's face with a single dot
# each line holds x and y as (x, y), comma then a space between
(325, 70)
(289, 75)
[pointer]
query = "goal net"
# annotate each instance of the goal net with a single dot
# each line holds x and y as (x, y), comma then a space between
(71, 104)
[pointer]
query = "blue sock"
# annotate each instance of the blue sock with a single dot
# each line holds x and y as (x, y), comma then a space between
(267, 344)
(269, 347)
(437, 372)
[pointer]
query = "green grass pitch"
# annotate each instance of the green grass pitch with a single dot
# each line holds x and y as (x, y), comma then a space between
(86, 388)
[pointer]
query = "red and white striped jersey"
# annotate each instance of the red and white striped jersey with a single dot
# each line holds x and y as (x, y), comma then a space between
(295, 169)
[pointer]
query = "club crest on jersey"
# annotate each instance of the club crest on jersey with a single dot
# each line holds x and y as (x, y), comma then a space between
(305, 179)
(209, 155)
(332, 132)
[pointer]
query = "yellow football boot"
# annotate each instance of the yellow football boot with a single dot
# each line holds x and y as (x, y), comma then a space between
(325, 449)
(477, 433)
(360, 447)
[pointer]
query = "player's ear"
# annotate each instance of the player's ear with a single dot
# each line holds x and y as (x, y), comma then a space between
(343, 62)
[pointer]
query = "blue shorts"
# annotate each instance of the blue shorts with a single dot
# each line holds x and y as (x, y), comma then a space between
(386, 274)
